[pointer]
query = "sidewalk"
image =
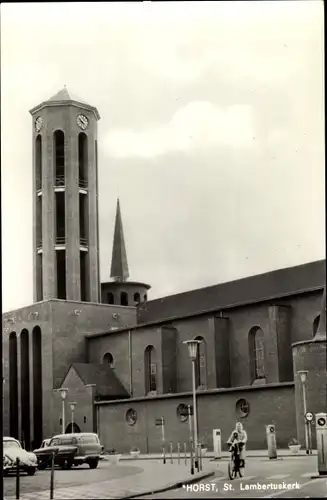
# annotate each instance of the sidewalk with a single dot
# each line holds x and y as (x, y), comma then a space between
(156, 477)
(224, 455)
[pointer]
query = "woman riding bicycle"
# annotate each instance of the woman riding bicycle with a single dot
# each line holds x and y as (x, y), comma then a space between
(239, 436)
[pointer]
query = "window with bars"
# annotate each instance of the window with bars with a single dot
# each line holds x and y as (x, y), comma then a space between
(201, 364)
(257, 354)
(150, 369)
(153, 377)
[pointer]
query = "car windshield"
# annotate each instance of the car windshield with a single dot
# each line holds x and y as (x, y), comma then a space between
(11, 444)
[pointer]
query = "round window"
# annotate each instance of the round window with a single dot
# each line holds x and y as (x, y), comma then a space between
(131, 416)
(182, 412)
(242, 408)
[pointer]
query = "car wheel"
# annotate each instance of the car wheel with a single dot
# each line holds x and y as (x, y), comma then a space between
(30, 470)
(93, 463)
(66, 465)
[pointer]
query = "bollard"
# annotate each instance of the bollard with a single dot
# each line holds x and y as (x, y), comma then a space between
(191, 458)
(179, 453)
(321, 433)
(185, 454)
(164, 454)
(271, 441)
(171, 453)
(200, 457)
(17, 478)
(52, 476)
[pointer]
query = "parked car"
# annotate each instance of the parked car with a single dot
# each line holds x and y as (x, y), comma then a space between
(12, 450)
(45, 443)
(71, 450)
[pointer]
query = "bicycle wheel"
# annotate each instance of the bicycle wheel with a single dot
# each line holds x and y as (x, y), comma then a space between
(230, 470)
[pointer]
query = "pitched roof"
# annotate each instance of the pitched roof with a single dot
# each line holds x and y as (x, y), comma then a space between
(271, 285)
(119, 266)
(64, 95)
(104, 377)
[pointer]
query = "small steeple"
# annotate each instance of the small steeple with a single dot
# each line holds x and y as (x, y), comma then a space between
(119, 266)
(321, 331)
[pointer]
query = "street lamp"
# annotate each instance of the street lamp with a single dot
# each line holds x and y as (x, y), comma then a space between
(72, 408)
(63, 394)
(193, 346)
(303, 377)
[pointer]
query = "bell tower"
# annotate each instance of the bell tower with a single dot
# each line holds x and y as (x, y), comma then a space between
(65, 200)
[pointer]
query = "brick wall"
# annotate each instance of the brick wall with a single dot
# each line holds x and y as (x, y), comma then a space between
(311, 356)
(69, 344)
(268, 405)
(82, 396)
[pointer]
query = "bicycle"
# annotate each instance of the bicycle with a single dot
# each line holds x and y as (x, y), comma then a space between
(235, 463)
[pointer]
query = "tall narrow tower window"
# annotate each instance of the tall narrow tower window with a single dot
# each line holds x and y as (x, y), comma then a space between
(39, 278)
(82, 159)
(59, 150)
(38, 162)
(84, 276)
(60, 218)
(61, 274)
(83, 219)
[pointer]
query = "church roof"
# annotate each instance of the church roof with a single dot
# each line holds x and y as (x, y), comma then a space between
(119, 266)
(261, 287)
(62, 97)
(104, 377)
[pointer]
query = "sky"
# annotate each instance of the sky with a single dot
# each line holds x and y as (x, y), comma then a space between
(211, 133)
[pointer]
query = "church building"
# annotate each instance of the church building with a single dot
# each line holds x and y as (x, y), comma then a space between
(120, 356)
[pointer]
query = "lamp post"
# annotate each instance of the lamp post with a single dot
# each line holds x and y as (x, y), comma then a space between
(193, 350)
(303, 377)
(63, 394)
(72, 406)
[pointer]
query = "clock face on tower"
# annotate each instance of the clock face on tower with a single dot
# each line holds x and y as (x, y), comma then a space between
(82, 121)
(38, 123)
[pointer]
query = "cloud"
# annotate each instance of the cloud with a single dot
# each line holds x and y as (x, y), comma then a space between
(198, 125)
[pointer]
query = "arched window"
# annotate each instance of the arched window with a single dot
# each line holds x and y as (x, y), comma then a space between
(201, 364)
(59, 157)
(145, 298)
(257, 354)
(25, 388)
(110, 298)
(150, 367)
(315, 325)
(37, 386)
(137, 298)
(13, 385)
(108, 359)
(124, 299)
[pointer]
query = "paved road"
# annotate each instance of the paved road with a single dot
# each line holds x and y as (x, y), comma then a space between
(67, 478)
(294, 473)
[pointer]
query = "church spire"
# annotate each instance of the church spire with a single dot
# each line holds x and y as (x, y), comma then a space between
(119, 266)
(321, 331)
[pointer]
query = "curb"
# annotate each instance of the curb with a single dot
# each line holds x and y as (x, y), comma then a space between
(172, 486)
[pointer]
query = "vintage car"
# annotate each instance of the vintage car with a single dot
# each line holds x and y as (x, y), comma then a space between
(12, 450)
(70, 450)
(45, 443)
